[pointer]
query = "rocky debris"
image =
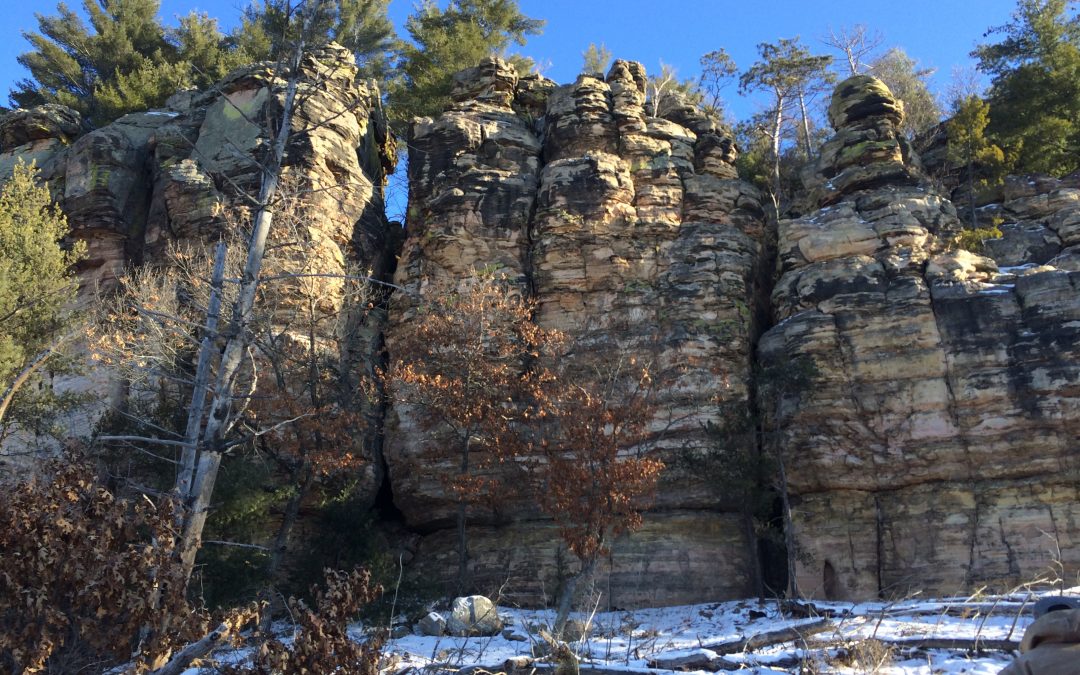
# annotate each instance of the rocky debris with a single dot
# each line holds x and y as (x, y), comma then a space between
(474, 615)
(432, 624)
(511, 635)
(927, 444)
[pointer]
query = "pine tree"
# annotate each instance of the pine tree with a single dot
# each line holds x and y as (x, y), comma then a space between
(595, 59)
(982, 161)
(1035, 93)
(446, 41)
(125, 60)
(269, 27)
(36, 286)
(718, 70)
(908, 83)
(791, 75)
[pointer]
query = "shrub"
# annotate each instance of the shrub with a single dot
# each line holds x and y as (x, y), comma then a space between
(322, 643)
(87, 578)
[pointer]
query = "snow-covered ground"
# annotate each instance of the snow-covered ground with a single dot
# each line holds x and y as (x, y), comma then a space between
(951, 635)
(854, 638)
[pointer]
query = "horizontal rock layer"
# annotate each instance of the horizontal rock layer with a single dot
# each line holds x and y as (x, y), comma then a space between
(936, 434)
(925, 401)
(636, 239)
(675, 558)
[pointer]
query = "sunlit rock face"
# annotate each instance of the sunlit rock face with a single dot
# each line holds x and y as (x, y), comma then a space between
(186, 175)
(933, 446)
(628, 225)
(924, 400)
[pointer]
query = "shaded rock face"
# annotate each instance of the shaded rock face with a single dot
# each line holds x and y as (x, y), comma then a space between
(187, 174)
(636, 238)
(1039, 218)
(935, 445)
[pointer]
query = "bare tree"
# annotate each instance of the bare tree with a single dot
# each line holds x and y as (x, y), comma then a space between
(222, 387)
(718, 71)
(856, 43)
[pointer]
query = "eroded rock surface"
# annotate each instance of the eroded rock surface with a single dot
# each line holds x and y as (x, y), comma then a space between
(1039, 218)
(933, 445)
(186, 176)
(925, 400)
(638, 241)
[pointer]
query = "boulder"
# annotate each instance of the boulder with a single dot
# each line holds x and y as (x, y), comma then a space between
(474, 615)
(433, 624)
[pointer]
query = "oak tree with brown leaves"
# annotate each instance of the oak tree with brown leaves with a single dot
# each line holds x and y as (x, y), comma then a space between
(590, 471)
(90, 579)
(481, 375)
(459, 361)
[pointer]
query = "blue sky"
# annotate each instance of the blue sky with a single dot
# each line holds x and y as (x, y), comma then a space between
(937, 33)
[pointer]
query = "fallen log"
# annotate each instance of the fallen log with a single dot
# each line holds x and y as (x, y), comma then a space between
(954, 644)
(196, 650)
(698, 659)
(772, 637)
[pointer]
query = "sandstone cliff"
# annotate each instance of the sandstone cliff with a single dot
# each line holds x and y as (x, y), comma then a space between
(924, 401)
(637, 239)
(187, 175)
(936, 447)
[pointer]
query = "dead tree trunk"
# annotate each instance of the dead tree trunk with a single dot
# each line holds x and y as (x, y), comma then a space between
(808, 146)
(777, 128)
(202, 375)
(220, 417)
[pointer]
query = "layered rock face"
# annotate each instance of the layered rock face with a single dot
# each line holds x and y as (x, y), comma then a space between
(932, 445)
(1039, 219)
(925, 401)
(637, 240)
(187, 175)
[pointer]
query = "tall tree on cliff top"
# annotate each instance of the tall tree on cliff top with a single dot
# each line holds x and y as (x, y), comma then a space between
(269, 27)
(37, 286)
(1035, 92)
(595, 59)
(124, 61)
(981, 161)
(791, 75)
(908, 83)
(718, 71)
(856, 43)
(446, 41)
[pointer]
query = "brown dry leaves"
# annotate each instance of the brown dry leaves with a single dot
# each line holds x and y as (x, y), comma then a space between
(322, 643)
(481, 372)
(84, 573)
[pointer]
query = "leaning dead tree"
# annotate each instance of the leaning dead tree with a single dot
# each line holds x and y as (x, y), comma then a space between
(202, 458)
